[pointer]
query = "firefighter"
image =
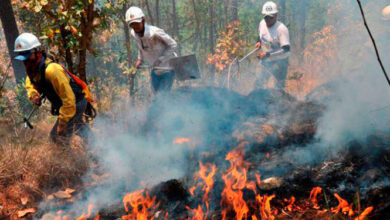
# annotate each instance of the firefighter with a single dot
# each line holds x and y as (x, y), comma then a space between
(48, 79)
(274, 41)
(386, 13)
(154, 46)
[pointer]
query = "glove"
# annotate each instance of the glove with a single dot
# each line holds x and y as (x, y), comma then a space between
(61, 130)
(261, 55)
(258, 45)
(36, 100)
(138, 64)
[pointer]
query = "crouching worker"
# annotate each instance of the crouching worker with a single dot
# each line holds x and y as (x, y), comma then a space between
(154, 46)
(51, 80)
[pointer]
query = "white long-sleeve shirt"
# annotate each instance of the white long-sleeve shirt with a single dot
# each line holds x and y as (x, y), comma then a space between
(155, 45)
(274, 38)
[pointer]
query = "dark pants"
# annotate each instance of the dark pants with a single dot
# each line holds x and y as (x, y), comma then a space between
(162, 82)
(76, 124)
(278, 69)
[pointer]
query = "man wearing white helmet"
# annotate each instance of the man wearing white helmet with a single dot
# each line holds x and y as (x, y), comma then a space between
(52, 81)
(386, 13)
(154, 46)
(274, 40)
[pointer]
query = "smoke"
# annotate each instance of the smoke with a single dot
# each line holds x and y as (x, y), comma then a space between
(359, 102)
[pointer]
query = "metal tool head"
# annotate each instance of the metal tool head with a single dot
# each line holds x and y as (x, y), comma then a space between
(185, 67)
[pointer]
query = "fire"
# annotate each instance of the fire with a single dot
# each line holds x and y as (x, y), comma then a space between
(207, 178)
(343, 206)
(198, 214)
(364, 214)
(313, 197)
(235, 181)
(181, 141)
(87, 216)
(265, 206)
(291, 204)
(140, 205)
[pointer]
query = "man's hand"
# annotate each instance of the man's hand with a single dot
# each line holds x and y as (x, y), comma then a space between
(61, 130)
(261, 55)
(36, 100)
(258, 45)
(138, 64)
(156, 63)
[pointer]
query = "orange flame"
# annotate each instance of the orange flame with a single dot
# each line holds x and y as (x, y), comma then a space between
(181, 141)
(313, 196)
(139, 205)
(291, 206)
(343, 206)
(364, 214)
(85, 217)
(235, 180)
(197, 214)
(265, 206)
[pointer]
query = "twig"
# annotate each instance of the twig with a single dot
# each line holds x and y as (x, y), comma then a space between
(373, 41)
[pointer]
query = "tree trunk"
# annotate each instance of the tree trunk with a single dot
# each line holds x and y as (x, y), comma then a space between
(176, 26)
(158, 13)
(11, 33)
(226, 11)
(211, 26)
(85, 40)
(149, 12)
(131, 78)
(234, 10)
(197, 25)
(211, 31)
(68, 55)
(283, 15)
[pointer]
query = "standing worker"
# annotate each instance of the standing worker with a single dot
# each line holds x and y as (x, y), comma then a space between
(275, 43)
(154, 46)
(51, 80)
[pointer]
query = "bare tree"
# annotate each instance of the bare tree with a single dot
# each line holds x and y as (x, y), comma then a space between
(175, 25)
(11, 33)
(234, 10)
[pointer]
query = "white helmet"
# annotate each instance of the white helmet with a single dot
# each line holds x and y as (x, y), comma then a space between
(386, 13)
(134, 14)
(270, 8)
(24, 43)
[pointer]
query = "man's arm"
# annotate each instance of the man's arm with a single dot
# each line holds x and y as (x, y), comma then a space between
(32, 94)
(170, 43)
(283, 50)
(60, 81)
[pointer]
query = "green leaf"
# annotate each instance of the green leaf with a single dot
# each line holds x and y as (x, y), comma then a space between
(38, 8)
(44, 2)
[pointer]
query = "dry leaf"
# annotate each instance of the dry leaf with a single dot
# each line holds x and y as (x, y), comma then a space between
(70, 191)
(24, 200)
(62, 195)
(25, 212)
